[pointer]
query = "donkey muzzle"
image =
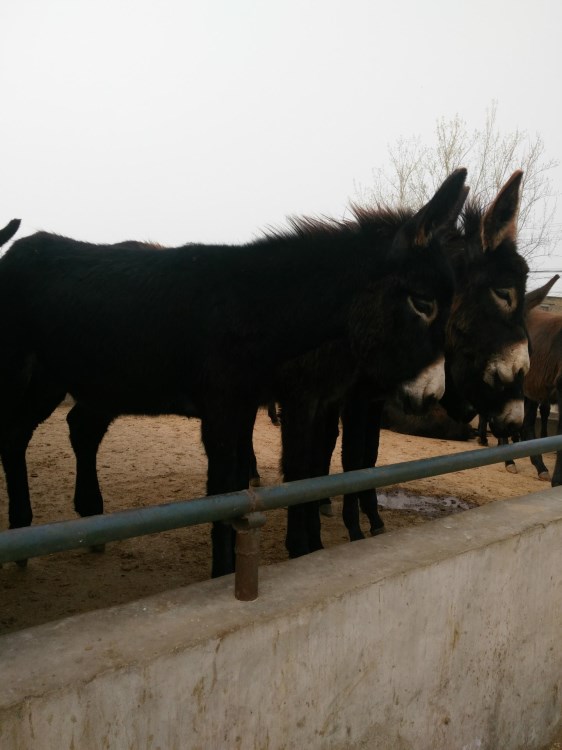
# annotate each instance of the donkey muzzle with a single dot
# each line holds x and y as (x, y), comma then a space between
(425, 389)
(505, 366)
(509, 420)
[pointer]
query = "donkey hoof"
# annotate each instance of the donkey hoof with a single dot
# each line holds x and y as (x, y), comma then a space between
(544, 476)
(378, 530)
(511, 468)
(356, 536)
(255, 481)
(21, 564)
(99, 549)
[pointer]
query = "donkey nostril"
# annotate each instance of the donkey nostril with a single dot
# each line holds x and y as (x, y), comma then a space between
(407, 404)
(499, 384)
(508, 365)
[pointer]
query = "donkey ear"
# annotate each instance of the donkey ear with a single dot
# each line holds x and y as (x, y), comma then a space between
(9, 230)
(500, 220)
(534, 298)
(457, 208)
(443, 208)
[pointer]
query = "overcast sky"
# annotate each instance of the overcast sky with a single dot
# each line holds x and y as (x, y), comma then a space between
(178, 121)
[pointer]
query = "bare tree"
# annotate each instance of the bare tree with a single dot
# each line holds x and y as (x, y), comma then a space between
(416, 169)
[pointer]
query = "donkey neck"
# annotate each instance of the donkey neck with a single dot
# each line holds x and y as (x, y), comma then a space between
(307, 287)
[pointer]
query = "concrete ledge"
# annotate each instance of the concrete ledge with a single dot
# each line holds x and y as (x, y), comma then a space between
(448, 635)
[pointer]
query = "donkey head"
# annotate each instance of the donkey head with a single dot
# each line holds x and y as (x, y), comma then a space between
(487, 350)
(399, 323)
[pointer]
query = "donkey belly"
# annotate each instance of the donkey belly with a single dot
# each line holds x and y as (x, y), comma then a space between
(146, 402)
(120, 376)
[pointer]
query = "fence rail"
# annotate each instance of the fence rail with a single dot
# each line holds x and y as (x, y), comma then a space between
(245, 508)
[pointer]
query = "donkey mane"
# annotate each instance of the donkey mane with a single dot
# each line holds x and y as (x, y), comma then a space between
(379, 220)
(471, 217)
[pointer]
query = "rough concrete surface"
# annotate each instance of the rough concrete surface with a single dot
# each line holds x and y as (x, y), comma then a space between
(447, 635)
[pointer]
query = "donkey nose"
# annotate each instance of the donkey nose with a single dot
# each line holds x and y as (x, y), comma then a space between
(509, 420)
(505, 366)
(416, 405)
(426, 388)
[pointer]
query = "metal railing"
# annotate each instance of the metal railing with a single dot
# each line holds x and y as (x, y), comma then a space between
(245, 509)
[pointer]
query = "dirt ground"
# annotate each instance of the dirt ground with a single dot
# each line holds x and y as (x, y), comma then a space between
(146, 461)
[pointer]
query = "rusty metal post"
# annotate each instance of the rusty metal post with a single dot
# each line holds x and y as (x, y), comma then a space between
(247, 551)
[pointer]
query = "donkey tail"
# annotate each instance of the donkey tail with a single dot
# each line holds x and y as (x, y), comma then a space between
(9, 230)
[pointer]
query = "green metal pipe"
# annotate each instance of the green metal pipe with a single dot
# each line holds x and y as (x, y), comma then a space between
(20, 544)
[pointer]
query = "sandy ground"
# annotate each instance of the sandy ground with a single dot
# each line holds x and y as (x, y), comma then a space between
(146, 461)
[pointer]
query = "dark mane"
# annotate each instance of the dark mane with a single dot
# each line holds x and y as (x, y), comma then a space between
(379, 220)
(471, 217)
(464, 239)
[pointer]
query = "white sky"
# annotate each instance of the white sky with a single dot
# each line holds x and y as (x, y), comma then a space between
(179, 121)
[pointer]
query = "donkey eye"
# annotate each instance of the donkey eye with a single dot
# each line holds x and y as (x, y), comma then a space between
(505, 298)
(425, 307)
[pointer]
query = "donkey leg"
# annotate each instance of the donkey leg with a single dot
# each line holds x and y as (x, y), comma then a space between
(368, 500)
(40, 401)
(13, 452)
(247, 463)
(529, 433)
(510, 463)
(361, 419)
(313, 526)
(353, 441)
(557, 474)
(222, 532)
(87, 427)
(226, 434)
(297, 429)
(326, 436)
(482, 430)
(254, 475)
(15, 469)
(544, 410)
(318, 465)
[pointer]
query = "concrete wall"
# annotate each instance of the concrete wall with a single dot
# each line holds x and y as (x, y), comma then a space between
(444, 636)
